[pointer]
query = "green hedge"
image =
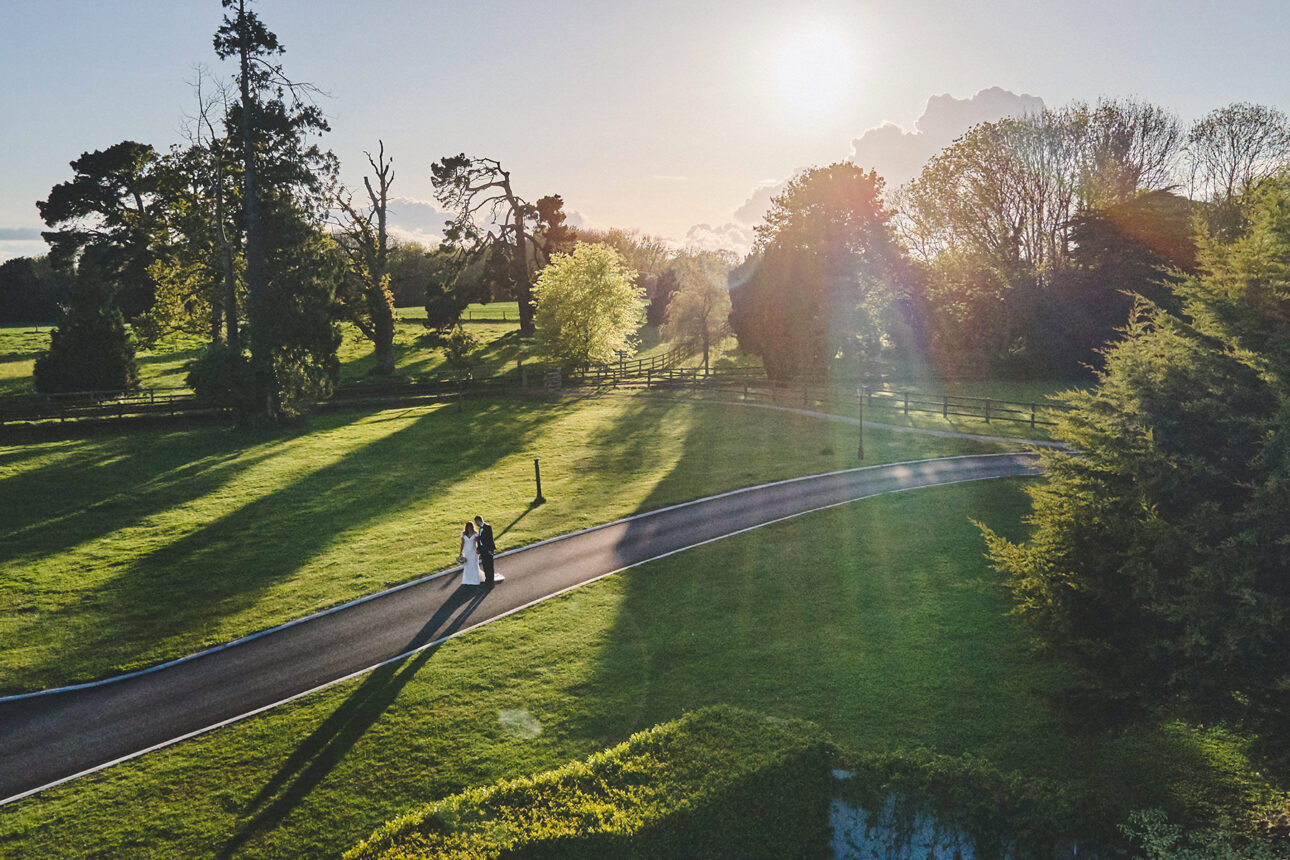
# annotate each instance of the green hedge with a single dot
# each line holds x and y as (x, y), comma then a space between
(722, 782)
(717, 783)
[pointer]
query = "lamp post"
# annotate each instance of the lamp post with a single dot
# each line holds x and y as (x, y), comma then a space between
(860, 448)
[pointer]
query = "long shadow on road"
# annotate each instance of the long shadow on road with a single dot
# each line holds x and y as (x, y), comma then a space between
(327, 745)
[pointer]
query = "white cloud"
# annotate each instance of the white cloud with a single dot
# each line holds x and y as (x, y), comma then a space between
(896, 153)
(899, 154)
(413, 220)
(730, 236)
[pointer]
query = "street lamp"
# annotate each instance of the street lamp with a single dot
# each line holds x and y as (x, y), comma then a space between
(860, 449)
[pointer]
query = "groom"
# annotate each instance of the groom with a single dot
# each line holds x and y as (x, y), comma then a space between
(486, 550)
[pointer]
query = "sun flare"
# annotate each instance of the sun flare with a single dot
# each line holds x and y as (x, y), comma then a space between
(815, 70)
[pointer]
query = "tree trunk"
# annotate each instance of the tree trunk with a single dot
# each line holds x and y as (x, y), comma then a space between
(264, 399)
(520, 261)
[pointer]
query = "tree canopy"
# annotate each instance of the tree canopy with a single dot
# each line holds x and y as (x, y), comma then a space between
(588, 306)
(1158, 564)
(824, 277)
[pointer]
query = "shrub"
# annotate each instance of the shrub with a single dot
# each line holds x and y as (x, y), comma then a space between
(91, 350)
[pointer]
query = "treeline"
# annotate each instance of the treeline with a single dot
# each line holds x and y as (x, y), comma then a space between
(1018, 250)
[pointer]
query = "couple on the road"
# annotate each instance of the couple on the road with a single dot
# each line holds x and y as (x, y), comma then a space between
(476, 553)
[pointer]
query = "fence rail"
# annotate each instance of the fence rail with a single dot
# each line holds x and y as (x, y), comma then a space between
(660, 372)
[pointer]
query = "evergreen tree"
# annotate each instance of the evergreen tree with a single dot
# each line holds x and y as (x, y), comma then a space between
(1159, 563)
(91, 350)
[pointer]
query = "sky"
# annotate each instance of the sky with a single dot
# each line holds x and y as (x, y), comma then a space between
(677, 119)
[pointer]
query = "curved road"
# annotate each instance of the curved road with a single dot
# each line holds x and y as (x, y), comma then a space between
(51, 737)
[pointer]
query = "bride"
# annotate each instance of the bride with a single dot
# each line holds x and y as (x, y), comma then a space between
(469, 554)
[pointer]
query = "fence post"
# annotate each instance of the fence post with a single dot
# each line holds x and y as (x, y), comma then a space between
(987, 410)
(1032, 416)
(906, 402)
(649, 378)
(945, 406)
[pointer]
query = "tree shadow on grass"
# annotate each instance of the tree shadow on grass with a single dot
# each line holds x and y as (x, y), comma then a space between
(163, 600)
(116, 483)
(328, 744)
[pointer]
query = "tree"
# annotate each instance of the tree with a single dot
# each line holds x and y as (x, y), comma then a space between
(990, 223)
(366, 243)
(1231, 150)
(698, 315)
(91, 350)
(824, 281)
(198, 259)
(109, 207)
(31, 291)
(1157, 565)
(1134, 248)
(490, 219)
(291, 268)
(588, 307)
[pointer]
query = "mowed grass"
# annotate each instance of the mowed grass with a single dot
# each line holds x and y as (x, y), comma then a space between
(879, 620)
(121, 551)
(418, 353)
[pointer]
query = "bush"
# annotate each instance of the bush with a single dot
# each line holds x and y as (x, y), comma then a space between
(91, 350)
(221, 377)
(716, 783)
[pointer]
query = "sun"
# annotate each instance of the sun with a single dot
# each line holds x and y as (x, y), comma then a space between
(815, 70)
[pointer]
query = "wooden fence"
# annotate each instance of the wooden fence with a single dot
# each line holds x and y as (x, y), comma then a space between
(658, 373)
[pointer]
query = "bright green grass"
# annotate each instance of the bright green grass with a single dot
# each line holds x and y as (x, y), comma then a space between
(120, 551)
(876, 620)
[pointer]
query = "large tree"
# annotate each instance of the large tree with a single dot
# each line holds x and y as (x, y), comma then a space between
(825, 278)
(588, 306)
(1158, 564)
(1231, 150)
(991, 224)
(365, 240)
(490, 220)
(291, 270)
(109, 207)
(698, 314)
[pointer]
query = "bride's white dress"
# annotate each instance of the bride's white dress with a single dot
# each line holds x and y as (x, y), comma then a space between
(470, 571)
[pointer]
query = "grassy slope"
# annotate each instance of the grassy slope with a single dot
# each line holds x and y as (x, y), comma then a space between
(119, 551)
(871, 619)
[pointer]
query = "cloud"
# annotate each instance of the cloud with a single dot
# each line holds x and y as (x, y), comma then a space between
(730, 236)
(899, 154)
(896, 153)
(758, 203)
(413, 220)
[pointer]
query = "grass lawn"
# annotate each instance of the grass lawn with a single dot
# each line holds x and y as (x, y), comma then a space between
(417, 353)
(876, 620)
(121, 551)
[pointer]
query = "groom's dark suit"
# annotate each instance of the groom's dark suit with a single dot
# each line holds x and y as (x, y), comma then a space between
(486, 550)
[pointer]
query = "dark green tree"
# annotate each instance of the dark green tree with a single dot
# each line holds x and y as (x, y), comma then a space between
(91, 349)
(1158, 565)
(291, 271)
(825, 278)
(109, 207)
